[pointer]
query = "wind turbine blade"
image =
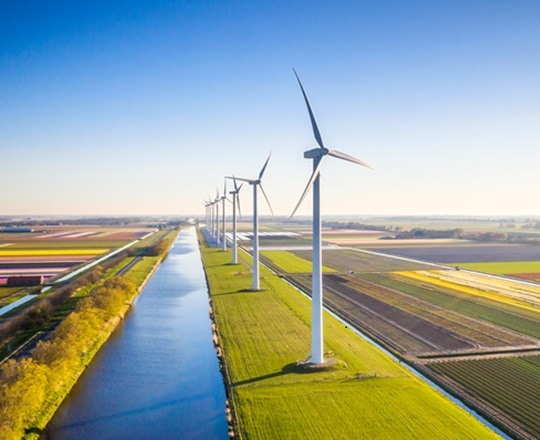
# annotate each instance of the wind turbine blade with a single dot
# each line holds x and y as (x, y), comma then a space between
(238, 189)
(264, 166)
(224, 187)
(316, 131)
(238, 203)
(314, 175)
(235, 185)
(266, 198)
(348, 158)
(240, 178)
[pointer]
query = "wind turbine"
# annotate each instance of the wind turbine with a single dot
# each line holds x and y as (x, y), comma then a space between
(212, 204)
(223, 200)
(210, 227)
(216, 218)
(316, 280)
(206, 213)
(255, 246)
(235, 202)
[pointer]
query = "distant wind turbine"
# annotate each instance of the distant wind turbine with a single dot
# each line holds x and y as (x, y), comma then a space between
(223, 200)
(216, 218)
(316, 280)
(211, 228)
(236, 204)
(255, 246)
(206, 212)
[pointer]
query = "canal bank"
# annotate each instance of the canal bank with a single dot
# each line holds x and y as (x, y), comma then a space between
(158, 375)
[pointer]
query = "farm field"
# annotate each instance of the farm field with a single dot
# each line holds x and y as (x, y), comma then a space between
(367, 395)
(52, 251)
(59, 233)
(508, 386)
(443, 223)
(408, 325)
(344, 260)
(271, 238)
(499, 313)
(370, 242)
(505, 291)
(527, 270)
(8, 291)
(290, 263)
(468, 253)
(243, 226)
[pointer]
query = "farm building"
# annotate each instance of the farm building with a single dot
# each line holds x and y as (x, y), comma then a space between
(25, 280)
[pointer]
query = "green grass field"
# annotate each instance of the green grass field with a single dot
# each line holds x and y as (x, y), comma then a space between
(291, 263)
(8, 291)
(140, 271)
(503, 267)
(367, 395)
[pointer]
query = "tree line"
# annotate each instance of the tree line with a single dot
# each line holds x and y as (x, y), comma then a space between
(26, 386)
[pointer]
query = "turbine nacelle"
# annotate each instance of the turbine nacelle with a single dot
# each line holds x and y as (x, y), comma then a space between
(316, 152)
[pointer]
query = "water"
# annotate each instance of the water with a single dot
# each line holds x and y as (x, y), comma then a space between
(157, 377)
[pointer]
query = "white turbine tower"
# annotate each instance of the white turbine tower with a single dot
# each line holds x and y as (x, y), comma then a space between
(216, 218)
(255, 246)
(223, 200)
(316, 280)
(213, 220)
(236, 203)
(211, 229)
(206, 213)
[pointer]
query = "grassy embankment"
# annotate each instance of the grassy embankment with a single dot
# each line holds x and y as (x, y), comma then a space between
(33, 388)
(367, 395)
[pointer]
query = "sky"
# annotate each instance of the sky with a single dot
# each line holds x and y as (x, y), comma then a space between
(143, 106)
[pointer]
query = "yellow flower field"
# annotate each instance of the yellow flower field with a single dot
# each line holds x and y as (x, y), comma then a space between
(505, 291)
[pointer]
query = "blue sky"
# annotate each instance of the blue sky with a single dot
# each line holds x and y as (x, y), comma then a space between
(117, 107)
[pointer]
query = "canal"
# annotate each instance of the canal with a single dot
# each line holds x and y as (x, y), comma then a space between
(158, 376)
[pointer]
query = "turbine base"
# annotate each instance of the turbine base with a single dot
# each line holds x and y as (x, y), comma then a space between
(307, 366)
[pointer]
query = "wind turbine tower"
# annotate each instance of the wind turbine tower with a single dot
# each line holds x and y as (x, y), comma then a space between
(216, 218)
(317, 155)
(236, 204)
(256, 183)
(223, 200)
(206, 213)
